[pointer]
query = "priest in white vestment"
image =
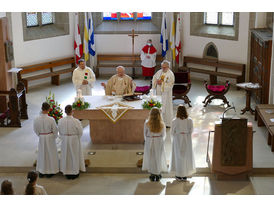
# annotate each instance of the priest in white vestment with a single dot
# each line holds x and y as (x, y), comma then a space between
(83, 78)
(120, 83)
(163, 82)
(72, 158)
(182, 159)
(46, 129)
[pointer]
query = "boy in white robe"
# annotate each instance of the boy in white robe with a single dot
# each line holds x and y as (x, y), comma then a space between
(163, 82)
(154, 160)
(83, 78)
(182, 160)
(45, 128)
(72, 158)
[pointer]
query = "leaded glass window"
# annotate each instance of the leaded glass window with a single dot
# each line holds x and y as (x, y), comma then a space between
(32, 19)
(47, 18)
(219, 18)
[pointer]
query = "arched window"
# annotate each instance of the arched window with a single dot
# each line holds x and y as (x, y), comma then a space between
(210, 51)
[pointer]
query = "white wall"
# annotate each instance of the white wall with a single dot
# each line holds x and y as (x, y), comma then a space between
(234, 51)
(37, 51)
(40, 50)
(260, 21)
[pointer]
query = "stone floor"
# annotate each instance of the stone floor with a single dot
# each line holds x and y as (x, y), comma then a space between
(18, 150)
(22, 142)
(129, 184)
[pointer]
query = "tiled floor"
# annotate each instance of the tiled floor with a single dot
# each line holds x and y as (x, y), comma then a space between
(18, 145)
(18, 148)
(129, 184)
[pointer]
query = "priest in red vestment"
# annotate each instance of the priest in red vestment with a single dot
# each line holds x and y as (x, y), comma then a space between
(148, 58)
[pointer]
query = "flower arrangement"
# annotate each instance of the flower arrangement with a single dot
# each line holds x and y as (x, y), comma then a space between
(80, 104)
(55, 111)
(149, 104)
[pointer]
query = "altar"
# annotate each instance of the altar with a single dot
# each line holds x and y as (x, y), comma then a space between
(128, 129)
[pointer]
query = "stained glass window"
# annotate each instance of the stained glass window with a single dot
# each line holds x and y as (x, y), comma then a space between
(109, 16)
(32, 19)
(144, 16)
(47, 18)
(127, 15)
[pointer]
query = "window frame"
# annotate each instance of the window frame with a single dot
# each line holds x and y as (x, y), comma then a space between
(219, 20)
(39, 19)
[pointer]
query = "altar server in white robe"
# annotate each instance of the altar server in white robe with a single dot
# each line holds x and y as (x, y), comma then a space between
(154, 160)
(72, 158)
(45, 127)
(163, 82)
(83, 78)
(182, 160)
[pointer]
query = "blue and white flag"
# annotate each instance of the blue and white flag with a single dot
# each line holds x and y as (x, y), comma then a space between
(164, 38)
(91, 42)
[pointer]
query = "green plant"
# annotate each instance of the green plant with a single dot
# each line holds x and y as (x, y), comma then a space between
(80, 105)
(149, 104)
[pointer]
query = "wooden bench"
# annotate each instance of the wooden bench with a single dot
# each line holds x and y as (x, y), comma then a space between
(264, 120)
(48, 69)
(126, 60)
(218, 65)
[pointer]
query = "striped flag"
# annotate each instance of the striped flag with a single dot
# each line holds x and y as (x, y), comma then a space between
(78, 47)
(85, 49)
(172, 36)
(178, 39)
(91, 43)
(164, 38)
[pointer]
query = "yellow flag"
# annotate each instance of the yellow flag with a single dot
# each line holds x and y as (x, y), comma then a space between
(85, 46)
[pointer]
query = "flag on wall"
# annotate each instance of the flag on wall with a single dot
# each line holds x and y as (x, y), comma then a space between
(164, 38)
(85, 49)
(172, 36)
(78, 47)
(178, 39)
(91, 43)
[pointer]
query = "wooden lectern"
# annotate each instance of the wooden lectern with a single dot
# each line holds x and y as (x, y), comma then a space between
(230, 152)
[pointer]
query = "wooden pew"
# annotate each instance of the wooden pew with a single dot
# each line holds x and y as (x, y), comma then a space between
(48, 71)
(17, 107)
(217, 66)
(126, 60)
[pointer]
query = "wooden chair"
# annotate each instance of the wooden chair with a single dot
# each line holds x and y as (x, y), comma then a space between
(216, 92)
(182, 86)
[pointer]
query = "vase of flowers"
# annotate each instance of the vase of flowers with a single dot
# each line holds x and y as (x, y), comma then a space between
(55, 110)
(149, 104)
(80, 104)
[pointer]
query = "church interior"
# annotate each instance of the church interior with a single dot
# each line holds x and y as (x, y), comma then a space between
(217, 50)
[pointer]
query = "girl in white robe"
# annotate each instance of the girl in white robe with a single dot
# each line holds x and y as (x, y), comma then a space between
(45, 127)
(72, 158)
(163, 82)
(154, 160)
(182, 160)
